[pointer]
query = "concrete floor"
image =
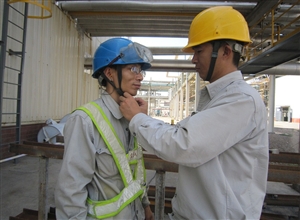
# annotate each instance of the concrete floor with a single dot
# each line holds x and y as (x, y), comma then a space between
(19, 182)
(19, 179)
(20, 185)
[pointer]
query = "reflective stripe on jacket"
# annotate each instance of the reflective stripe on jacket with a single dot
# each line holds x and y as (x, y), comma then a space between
(134, 184)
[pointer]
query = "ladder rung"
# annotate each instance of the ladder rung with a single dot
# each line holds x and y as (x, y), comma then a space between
(9, 98)
(10, 83)
(16, 10)
(14, 39)
(8, 67)
(10, 113)
(16, 25)
(11, 52)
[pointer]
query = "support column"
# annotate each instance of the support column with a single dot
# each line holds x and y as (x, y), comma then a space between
(271, 104)
(149, 101)
(197, 88)
(43, 188)
(159, 194)
(187, 96)
(181, 104)
(176, 106)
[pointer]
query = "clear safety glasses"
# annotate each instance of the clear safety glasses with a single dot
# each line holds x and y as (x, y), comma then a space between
(134, 52)
(138, 71)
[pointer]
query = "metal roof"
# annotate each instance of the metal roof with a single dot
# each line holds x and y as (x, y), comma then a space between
(274, 26)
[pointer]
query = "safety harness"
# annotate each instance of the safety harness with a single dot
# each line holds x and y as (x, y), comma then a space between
(134, 182)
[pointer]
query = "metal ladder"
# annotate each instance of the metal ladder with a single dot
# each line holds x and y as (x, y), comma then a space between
(13, 41)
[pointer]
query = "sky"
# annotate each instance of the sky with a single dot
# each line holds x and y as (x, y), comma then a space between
(160, 42)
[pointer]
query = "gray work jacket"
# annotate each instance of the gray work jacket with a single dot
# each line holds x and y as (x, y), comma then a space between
(222, 152)
(88, 168)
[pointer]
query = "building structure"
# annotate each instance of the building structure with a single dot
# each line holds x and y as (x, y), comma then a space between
(45, 68)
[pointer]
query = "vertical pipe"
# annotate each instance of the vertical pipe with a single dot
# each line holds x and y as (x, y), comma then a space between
(149, 99)
(177, 106)
(197, 88)
(159, 194)
(187, 96)
(271, 103)
(181, 104)
(43, 181)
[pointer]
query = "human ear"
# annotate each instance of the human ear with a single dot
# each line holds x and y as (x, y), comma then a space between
(108, 73)
(227, 50)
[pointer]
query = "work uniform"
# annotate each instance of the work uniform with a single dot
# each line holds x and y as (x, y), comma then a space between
(88, 168)
(222, 152)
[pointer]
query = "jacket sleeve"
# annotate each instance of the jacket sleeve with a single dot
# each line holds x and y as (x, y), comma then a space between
(77, 169)
(145, 201)
(201, 137)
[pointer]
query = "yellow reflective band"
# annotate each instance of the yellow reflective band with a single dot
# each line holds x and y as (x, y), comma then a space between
(134, 183)
(110, 138)
(109, 208)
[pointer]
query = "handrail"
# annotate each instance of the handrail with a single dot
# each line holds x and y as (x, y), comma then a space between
(275, 21)
(46, 11)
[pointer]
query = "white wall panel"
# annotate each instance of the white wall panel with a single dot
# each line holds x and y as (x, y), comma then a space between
(54, 81)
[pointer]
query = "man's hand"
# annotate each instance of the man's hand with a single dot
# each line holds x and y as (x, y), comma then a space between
(130, 106)
(148, 213)
(143, 105)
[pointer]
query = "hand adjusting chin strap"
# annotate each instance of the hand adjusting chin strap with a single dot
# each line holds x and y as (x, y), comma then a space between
(214, 55)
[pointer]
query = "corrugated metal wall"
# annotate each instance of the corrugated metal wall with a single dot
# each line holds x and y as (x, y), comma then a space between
(54, 80)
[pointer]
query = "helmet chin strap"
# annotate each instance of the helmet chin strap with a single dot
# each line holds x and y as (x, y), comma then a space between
(119, 90)
(216, 45)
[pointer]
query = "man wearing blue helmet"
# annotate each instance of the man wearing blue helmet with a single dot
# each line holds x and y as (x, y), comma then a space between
(115, 53)
(102, 174)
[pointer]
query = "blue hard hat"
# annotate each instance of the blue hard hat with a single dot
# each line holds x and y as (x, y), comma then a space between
(120, 51)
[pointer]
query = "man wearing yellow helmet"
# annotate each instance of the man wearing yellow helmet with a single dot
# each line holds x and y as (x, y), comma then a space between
(222, 150)
(221, 27)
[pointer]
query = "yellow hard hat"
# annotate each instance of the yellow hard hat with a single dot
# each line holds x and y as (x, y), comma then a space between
(215, 23)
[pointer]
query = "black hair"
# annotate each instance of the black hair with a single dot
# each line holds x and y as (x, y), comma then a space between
(104, 78)
(236, 55)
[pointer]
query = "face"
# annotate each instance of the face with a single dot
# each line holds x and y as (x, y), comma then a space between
(131, 78)
(201, 59)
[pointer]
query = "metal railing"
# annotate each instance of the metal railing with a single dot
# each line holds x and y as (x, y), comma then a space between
(278, 24)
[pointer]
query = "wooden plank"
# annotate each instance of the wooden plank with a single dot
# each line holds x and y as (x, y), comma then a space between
(284, 167)
(270, 216)
(153, 162)
(285, 176)
(291, 158)
(282, 200)
(33, 143)
(38, 151)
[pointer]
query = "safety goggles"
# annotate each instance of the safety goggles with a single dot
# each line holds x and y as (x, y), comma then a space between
(138, 71)
(134, 53)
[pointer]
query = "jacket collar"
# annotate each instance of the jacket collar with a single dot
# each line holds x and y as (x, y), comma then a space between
(112, 105)
(215, 87)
